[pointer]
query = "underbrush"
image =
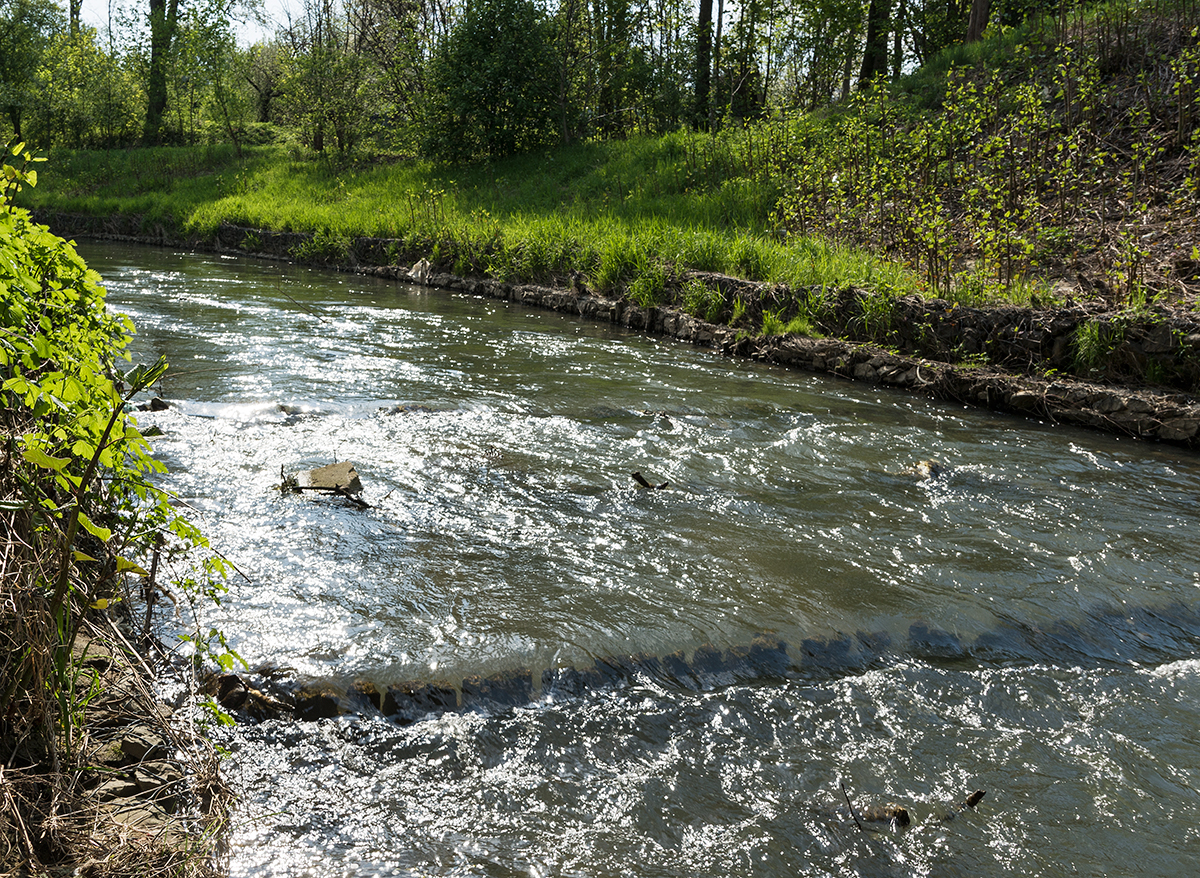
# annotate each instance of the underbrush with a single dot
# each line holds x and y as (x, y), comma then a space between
(79, 518)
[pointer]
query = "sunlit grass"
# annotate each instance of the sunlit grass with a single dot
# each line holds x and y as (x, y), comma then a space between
(629, 215)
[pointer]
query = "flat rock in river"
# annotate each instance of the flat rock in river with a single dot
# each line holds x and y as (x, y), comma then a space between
(339, 477)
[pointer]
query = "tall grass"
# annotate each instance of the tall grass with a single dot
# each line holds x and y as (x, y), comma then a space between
(619, 211)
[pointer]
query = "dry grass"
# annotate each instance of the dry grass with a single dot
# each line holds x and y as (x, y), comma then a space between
(67, 693)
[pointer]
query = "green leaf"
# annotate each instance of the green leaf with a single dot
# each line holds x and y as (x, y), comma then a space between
(83, 556)
(140, 377)
(37, 457)
(124, 565)
(103, 534)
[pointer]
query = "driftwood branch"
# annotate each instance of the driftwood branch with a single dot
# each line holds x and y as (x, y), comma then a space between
(641, 480)
(341, 492)
(853, 813)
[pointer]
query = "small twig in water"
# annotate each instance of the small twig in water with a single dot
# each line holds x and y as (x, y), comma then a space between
(304, 307)
(853, 813)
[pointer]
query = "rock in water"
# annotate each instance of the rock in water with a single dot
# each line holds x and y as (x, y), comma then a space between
(341, 478)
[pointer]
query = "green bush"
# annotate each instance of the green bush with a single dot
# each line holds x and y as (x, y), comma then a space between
(76, 494)
(492, 84)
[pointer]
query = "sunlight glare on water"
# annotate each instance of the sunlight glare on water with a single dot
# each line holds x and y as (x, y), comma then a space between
(1024, 622)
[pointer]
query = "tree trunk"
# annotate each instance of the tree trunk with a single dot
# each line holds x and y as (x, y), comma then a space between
(898, 24)
(874, 60)
(75, 11)
(703, 63)
(977, 23)
(163, 14)
(716, 65)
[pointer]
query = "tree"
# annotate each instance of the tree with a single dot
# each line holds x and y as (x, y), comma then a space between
(874, 61)
(703, 62)
(934, 24)
(263, 72)
(977, 23)
(493, 83)
(164, 18)
(326, 78)
(26, 28)
(86, 97)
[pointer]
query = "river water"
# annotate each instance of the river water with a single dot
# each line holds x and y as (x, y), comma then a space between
(1024, 622)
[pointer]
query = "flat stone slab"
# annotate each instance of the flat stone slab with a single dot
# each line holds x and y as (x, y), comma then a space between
(340, 477)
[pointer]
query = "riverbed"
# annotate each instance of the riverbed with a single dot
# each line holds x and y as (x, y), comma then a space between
(1021, 618)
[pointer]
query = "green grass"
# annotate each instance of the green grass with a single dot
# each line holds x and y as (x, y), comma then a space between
(630, 215)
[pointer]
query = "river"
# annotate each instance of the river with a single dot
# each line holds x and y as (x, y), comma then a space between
(1024, 622)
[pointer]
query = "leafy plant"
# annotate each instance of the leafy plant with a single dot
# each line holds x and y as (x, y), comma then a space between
(703, 301)
(80, 505)
(1094, 343)
(323, 246)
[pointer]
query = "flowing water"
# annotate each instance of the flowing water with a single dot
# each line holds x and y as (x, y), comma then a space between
(1024, 622)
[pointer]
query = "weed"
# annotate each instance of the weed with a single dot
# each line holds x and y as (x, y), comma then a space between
(323, 246)
(774, 324)
(1094, 344)
(648, 287)
(703, 301)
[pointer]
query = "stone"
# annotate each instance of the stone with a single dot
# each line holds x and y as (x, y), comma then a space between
(339, 477)
(507, 688)
(317, 701)
(831, 654)
(140, 814)
(674, 669)
(409, 702)
(768, 655)
(116, 788)
(368, 692)
(1159, 339)
(573, 681)
(1025, 400)
(707, 659)
(1179, 429)
(928, 641)
(141, 742)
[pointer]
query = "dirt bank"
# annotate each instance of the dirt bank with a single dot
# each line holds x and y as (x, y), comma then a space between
(1026, 361)
(1145, 412)
(140, 796)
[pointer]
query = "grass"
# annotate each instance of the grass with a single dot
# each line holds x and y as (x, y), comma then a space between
(614, 211)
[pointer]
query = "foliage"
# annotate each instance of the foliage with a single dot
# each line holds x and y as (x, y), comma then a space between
(78, 503)
(984, 189)
(26, 28)
(492, 84)
(324, 86)
(86, 97)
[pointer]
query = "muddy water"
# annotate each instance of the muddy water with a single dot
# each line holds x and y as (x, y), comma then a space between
(1056, 570)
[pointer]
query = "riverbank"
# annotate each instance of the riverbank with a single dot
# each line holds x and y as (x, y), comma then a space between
(139, 793)
(1006, 358)
(1016, 221)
